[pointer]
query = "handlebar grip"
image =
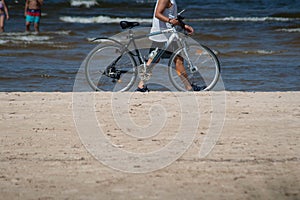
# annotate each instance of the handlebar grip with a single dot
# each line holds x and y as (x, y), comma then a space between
(180, 18)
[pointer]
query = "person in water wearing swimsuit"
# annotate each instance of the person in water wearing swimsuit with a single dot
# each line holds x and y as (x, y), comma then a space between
(3, 14)
(165, 15)
(33, 14)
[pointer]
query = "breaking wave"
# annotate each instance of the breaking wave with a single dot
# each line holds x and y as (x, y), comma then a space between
(290, 30)
(101, 19)
(246, 19)
(107, 19)
(86, 3)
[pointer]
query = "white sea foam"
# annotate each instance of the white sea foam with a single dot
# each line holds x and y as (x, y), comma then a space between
(3, 42)
(106, 19)
(101, 19)
(31, 38)
(44, 38)
(24, 39)
(14, 34)
(290, 30)
(262, 52)
(66, 32)
(246, 19)
(41, 43)
(62, 32)
(86, 3)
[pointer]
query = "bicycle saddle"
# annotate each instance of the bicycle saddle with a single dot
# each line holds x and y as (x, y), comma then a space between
(126, 24)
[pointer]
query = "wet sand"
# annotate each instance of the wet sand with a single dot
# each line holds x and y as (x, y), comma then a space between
(256, 156)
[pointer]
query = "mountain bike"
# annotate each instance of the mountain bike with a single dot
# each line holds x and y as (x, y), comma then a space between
(114, 66)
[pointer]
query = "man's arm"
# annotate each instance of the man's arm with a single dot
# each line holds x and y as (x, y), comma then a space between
(161, 6)
(26, 7)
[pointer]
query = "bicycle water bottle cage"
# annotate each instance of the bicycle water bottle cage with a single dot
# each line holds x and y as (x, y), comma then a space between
(126, 24)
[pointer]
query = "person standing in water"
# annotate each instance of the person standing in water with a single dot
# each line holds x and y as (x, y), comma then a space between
(33, 14)
(3, 14)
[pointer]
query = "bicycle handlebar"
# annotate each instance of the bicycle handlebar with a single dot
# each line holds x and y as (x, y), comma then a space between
(180, 19)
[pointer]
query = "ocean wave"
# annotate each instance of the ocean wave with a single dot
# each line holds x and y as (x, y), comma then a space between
(29, 38)
(66, 32)
(261, 52)
(3, 42)
(17, 33)
(32, 40)
(290, 30)
(101, 19)
(48, 38)
(63, 32)
(23, 39)
(107, 19)
(249, 53)
(86, 3)
(246, 19)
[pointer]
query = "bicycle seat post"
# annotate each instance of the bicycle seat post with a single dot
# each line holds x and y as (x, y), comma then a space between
(130, 34)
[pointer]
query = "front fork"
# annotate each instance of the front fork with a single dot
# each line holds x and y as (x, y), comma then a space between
(192, 67)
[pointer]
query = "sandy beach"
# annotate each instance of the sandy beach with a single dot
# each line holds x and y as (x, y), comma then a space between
(257, 154)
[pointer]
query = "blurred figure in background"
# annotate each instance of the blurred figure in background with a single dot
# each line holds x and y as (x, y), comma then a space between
(3, 14)
(33, 14)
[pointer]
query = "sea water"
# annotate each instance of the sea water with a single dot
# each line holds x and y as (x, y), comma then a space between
(257, 42)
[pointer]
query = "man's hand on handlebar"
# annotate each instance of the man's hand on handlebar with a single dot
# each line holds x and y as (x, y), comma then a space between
(176, 22)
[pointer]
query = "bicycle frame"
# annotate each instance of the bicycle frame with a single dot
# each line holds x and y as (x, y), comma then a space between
(174, 36)
(141, 61)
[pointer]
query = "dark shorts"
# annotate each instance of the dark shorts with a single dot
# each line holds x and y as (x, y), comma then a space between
(161, 46)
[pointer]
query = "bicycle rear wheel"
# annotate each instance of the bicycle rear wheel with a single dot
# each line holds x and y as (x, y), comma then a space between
(208, 68)
(110, 68)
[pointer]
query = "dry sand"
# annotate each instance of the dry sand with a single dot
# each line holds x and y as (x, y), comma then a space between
(256, 156)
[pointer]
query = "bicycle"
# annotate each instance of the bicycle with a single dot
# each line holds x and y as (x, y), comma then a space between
(114, 66)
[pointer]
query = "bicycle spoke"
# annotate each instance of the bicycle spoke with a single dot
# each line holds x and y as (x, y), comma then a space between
(202, 59)
(109, 70)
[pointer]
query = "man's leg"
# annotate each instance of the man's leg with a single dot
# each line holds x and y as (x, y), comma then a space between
(37, 24)
(37, 27)
(182, 72)
(27, 26)
(28, 22)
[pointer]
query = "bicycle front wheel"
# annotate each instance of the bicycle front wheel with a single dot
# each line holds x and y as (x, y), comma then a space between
(202, 68)
(110, 68)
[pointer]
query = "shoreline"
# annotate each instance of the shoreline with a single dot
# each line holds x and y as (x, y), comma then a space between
(256, 156)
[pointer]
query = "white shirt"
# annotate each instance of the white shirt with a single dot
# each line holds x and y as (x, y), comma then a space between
(158, 25)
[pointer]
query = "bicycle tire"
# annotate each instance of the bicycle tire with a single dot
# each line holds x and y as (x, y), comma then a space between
(206, 61)
(103, 56)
